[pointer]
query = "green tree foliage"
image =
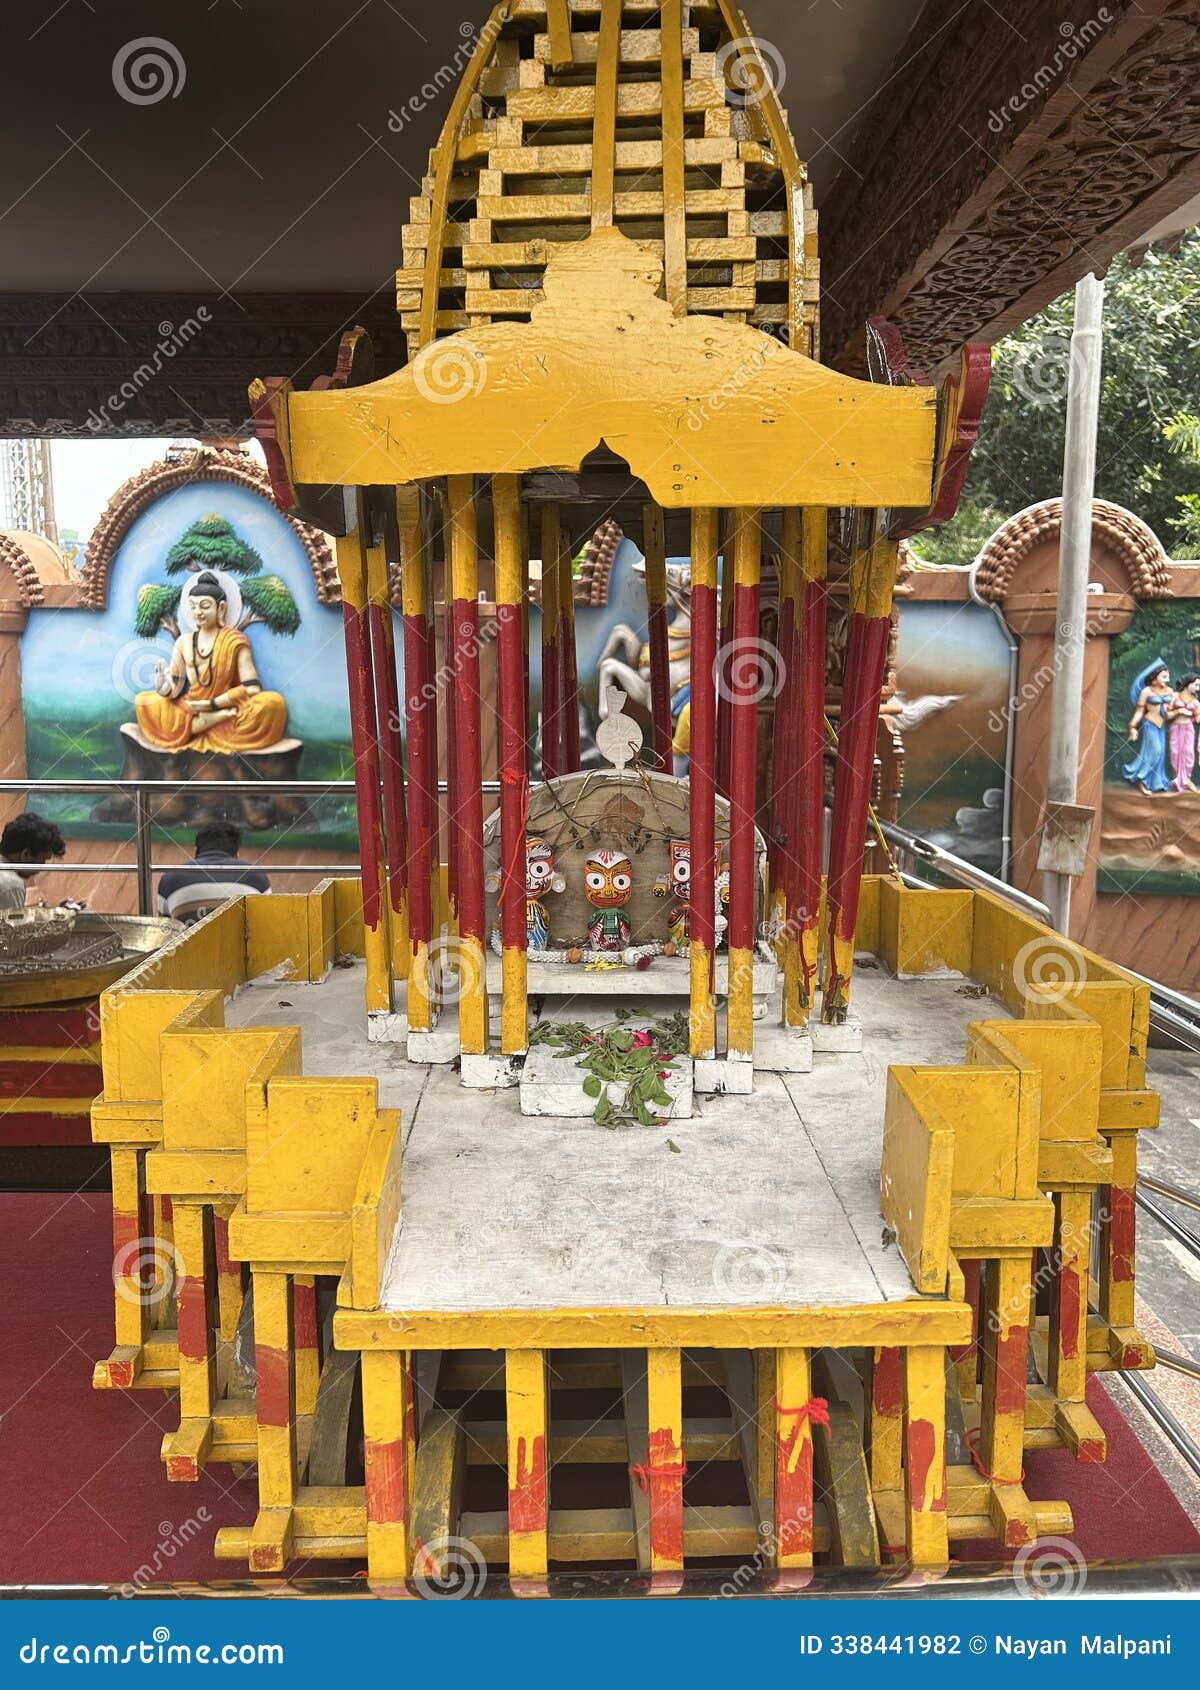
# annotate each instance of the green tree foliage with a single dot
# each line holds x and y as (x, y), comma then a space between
(1148, 456)
(270, 602)
(212, 543)
(157, 608)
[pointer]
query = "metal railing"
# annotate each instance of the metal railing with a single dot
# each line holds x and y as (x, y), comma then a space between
(143, 792)
(1172, 1014)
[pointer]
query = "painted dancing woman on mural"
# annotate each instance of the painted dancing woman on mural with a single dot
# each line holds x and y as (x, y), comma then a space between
(1183, 713)
(209, 697)
(1150, 696)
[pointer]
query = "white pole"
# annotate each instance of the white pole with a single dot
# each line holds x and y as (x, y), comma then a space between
(1074, 557)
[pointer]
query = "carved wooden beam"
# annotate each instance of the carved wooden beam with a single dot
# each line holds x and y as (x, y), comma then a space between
(1011, 150)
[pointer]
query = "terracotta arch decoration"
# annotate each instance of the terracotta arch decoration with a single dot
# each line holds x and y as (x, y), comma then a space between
(1135, 546)
(30, 588)
(205, 464)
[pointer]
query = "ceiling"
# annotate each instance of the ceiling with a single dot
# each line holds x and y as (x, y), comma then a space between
(273, 166)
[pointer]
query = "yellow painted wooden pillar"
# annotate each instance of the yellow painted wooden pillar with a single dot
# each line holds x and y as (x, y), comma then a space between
(308, 1354)
(658, 638)
(275, 1398)
(604, 118)
(1118, 1233)
(389, 1446)
(514, 782)
(230, 1287)
(1005, 1300)
(420, 712)
(184, 1452)
(925, 1455)
(665, 1465)
(528, 1463)
(466, 802)
(387, 716)
(352, 572)
(806, 813)
(131, 1252)
(674, 177)
(745, 669)
(702, 1015)
(796, 1413)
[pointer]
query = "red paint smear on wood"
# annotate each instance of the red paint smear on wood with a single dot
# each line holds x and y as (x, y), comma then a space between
(1068, 1311)
(273, 1385)
(64, 1028)
(666, 1495)
(794, 1492)
(1011, 1352)
(366, 757)
(887, 1396)
(126, 1230)
(1122, 1234)
(569, 692)
(702, 768)
(922, 1450)
(527, 1497)
(192, 1302)
(551, 704)
(386, 1479)
(418, 708)
(304, 1317)
(743, 770)
(962, 1352)
(53, 1079)
(467, 810)
(225, 1263)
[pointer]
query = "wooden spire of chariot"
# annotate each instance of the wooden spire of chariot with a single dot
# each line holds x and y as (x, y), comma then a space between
(610, 292)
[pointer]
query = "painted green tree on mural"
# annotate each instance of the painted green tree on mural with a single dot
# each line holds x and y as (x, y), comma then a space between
(213, 543)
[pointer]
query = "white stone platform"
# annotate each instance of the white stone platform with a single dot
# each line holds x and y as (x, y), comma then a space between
(767, 1199)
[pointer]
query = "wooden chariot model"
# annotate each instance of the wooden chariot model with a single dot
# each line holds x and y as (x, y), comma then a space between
(819, 1324)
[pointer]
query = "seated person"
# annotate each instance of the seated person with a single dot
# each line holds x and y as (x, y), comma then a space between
(215, 873)
(26, 839)
(209, 697)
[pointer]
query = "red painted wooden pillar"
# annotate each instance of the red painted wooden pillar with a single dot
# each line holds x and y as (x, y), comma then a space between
(872, 578)
(785, 735)
(569, 748)
(449, 678)
(420, 723)
(806, 809)
(514, 781)
(387, 713)
(658, 637)
(725, 662)
(745, 672)
(466, 795)
(551, 664)
(352, 569)
(701, 784)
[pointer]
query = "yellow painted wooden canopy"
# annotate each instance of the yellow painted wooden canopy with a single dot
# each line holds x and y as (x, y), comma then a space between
(705, 412)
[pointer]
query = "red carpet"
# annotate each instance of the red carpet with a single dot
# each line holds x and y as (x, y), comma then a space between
(84, 1497)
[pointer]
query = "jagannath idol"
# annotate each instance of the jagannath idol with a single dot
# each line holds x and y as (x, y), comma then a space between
(209, 697)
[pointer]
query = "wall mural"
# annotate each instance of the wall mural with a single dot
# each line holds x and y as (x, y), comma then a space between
(1150, 814)
(212, 658)
(952, 691)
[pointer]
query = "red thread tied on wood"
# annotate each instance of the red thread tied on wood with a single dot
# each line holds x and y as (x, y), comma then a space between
(643, 1472)
(815, 1410)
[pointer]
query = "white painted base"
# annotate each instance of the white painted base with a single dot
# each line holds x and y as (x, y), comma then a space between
(830, 1039)
(724, 1076)
(438, 1044)
(487, 1072)
(783, 1050)
(386, 1028)
(933, 974)
(666, 977)
(553, 1086)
